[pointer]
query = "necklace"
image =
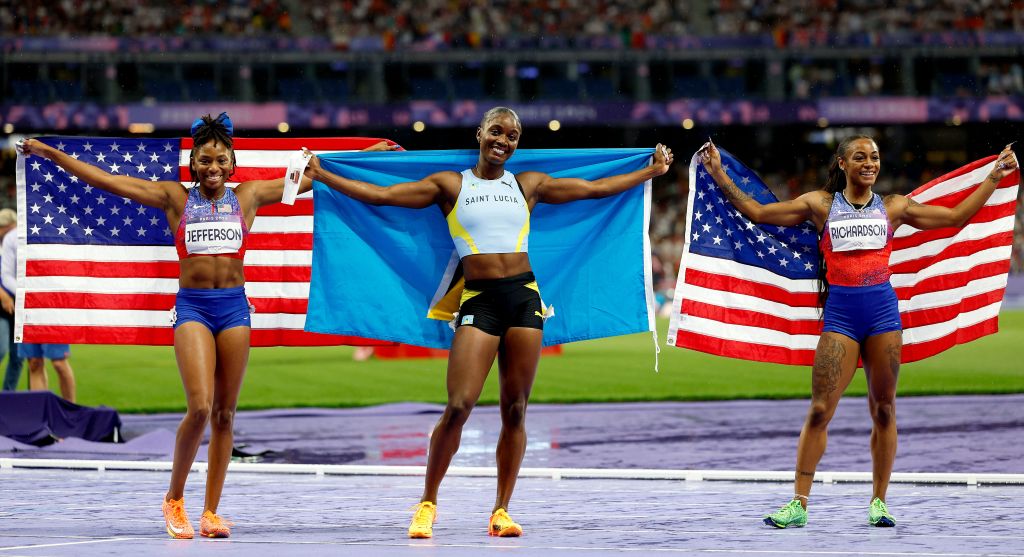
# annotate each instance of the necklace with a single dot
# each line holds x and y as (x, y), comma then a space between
(857, 206)
(213, 201)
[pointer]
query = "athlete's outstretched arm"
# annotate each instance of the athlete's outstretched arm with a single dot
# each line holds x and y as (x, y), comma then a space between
(268, 192)
(152, 194)
(782, 213)
(414, 195)
(932, 216)
(546, 189)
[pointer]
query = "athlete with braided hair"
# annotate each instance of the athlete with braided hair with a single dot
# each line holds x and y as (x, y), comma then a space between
(212, 326)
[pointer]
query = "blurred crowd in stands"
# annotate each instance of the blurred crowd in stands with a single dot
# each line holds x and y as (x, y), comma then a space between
(515, 27)
(127, 18)
(802, 22)
(474, 23)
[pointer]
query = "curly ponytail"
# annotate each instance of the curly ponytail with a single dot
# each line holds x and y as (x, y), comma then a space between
(207, 129)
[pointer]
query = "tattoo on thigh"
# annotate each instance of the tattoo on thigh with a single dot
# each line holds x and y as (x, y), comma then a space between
(828, 367)
(895, 352)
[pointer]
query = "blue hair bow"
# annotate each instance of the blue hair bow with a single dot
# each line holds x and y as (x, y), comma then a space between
(222, 119)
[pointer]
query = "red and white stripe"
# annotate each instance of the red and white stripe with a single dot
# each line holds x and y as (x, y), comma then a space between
(123, 295)
(949, 282)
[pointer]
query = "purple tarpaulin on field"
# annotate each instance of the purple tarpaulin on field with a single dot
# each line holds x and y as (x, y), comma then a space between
(39, 417)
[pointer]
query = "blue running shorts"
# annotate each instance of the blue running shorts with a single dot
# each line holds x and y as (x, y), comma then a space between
(216, 308)
(862, 311)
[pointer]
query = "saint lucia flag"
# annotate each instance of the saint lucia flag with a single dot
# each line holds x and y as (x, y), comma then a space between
(378, 272)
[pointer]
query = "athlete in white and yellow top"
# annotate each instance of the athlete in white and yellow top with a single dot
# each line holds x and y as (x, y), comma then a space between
(488, 212)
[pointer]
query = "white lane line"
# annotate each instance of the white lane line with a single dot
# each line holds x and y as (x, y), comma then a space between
(506, 548)
(64, 544)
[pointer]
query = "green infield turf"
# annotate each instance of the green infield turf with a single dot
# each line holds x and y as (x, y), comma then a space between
(145, 379)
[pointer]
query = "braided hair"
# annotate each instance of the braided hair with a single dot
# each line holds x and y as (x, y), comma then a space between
(835, 182)
(207, 129)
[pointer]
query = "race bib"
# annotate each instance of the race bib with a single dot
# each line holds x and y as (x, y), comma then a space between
(857, 234)
(211, 238)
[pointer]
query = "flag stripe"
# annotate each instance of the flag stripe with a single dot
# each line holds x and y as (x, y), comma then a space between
(148, 318)
(759, 289)
(301, 208)
(964, 249)
(160, 302)
(158, 269)
(949, 282)
(932, 316)
(953, 280)
(953, 295)
(952, 266)
(744, 350)
(926, 333)
(154, 253)
(165, 336)
(922, 350)
(85, 300)
(751, 318)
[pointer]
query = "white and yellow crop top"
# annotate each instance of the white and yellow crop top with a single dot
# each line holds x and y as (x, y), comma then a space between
(490, 216)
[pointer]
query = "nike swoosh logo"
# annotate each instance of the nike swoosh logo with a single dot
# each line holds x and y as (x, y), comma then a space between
(539, 314)
(175, 530)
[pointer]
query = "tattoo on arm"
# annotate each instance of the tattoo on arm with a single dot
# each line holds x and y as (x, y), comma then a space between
(826, 201)
(828, 367)
(733, 193)
(912, 203)
(805, 473)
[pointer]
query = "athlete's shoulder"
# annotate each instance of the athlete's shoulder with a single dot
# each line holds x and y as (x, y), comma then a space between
(530, 177)
(818, 198)
(445, 176)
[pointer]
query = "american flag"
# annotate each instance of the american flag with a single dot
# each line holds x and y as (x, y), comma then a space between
(750, 291)
(96, 268)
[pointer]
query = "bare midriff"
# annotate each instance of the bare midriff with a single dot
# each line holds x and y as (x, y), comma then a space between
(485, 266)
(208, 271)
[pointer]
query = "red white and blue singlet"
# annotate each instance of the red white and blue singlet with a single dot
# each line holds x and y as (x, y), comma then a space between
(211, 227)
(857, 243)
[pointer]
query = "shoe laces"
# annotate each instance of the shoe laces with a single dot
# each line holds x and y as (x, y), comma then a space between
(178, 510)
(216, 521)
(792, 508)
(501, 515)
(425, 512)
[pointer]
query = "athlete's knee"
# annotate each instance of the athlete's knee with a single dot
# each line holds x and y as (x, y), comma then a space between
(456, 412)
(513, 414)
(222, 417)
(199, 410)
(883, 413)
(819, 415)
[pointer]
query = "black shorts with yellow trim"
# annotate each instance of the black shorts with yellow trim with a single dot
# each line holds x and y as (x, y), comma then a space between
(495, 305)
